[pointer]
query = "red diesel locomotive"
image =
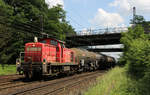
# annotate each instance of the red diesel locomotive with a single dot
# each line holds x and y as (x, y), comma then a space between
(46, 57)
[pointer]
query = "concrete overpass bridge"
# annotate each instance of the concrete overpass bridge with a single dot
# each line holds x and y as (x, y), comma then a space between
(109, 36)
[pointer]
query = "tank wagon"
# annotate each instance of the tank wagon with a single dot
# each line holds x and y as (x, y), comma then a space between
(50, 57)
(88, 61)
(107, 62)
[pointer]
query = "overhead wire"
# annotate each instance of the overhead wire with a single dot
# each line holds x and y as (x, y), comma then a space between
(21, 28)
(25, 28)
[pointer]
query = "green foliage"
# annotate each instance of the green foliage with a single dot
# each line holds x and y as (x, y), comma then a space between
(136, 56)
(138, 19)
(136, 51)
(114, 82)
(21, 20)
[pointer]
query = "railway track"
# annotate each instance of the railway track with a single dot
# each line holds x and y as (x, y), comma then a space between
(60, 90)
(8, 85)
(7, 78)
(50, 87)
(6, 81)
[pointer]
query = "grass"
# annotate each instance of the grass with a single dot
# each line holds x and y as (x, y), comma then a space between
(8, 69)
(115, 82)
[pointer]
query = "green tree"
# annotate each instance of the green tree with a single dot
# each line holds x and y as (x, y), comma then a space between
(136, 56)
(139, 20)
(26, 19)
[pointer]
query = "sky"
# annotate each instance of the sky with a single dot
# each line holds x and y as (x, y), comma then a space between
(95, 14)
(99, 14)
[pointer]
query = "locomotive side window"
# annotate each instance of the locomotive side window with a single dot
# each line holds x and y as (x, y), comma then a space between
(53, 42)
(43, 41)
(33, 49)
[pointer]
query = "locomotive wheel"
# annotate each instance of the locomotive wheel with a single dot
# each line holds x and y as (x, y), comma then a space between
(28, 75)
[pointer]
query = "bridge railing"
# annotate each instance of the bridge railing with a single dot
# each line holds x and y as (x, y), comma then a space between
(103, 31)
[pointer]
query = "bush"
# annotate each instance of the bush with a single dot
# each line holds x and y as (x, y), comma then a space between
(137, 57)
(114, 82)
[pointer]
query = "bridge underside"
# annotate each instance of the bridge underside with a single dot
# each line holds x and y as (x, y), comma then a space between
(92, 40)
(106, 50)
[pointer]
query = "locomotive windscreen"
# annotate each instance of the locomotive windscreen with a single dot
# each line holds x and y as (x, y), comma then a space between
(33, 49)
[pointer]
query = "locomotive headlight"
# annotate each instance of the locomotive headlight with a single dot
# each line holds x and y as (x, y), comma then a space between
(17, 63)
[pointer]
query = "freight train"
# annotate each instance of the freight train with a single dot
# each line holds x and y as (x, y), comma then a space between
(49, 56)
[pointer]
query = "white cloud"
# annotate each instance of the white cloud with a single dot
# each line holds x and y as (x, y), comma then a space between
(52, 3)
(125, 6)
(106, 19)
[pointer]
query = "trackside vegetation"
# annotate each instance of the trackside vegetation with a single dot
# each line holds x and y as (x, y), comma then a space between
(114, 82)
(7, 69)
(136, 58)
